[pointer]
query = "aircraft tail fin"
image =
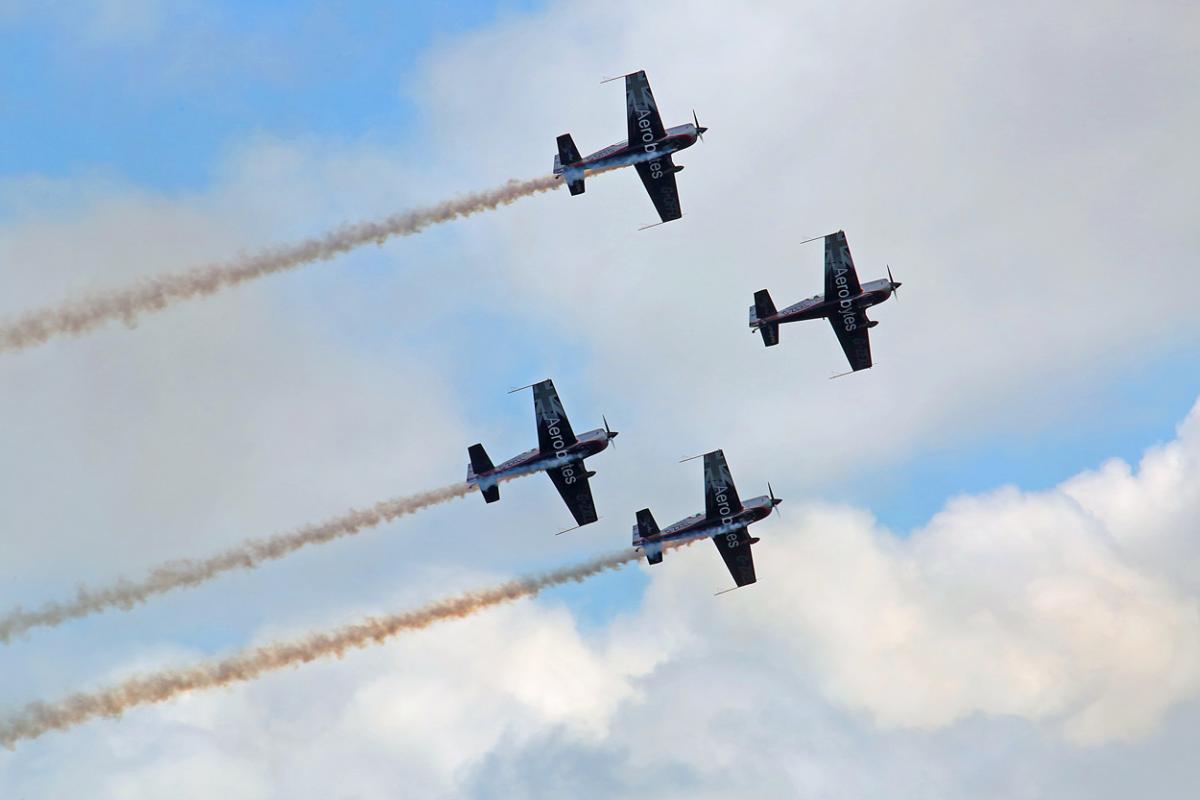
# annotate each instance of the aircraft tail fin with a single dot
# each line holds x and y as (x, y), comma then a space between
(645, 528)
(762, 309)
(568, 155)
(481, 465)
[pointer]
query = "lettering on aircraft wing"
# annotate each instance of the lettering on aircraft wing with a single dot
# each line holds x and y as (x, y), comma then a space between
(719, 480)
(549, 409)
(846, 309)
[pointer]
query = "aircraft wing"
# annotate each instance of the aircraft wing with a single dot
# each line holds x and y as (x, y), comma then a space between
(641, 111)
(553, 429)
(720, 495)
(735, 549)
(571, 481)
(658, 177)
(841, 279)
(856, 341)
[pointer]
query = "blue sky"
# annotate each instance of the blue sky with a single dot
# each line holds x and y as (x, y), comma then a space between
(938, 136)
(158, 102)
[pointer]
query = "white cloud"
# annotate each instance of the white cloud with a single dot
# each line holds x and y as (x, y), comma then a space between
(1026, 171)
(1013, 625)
(1009, 163)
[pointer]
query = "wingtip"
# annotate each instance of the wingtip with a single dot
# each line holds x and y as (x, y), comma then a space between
(655, 224)
(623, 75)
(526, 386)
(701, 455)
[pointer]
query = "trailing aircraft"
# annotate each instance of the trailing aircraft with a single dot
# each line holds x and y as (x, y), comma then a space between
(648, 149)
(725, 520)
(559, 454)
(845, 305)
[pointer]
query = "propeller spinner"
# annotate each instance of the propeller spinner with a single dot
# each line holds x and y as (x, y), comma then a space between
(892, 281)
(611, 433)
(775, 501)
(699, 130)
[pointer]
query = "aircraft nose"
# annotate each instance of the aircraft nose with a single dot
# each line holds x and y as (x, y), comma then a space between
(613, 434)
(896, 285)
(776, 501)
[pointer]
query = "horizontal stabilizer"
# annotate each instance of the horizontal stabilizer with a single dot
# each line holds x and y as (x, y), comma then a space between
(567, 164)
(481, 465)
(764, 309)
(646, 526)
(568, 153)
(769, 333)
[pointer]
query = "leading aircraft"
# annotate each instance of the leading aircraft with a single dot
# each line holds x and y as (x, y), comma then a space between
(845, 305)
(725, 520)
(648, 148)
(559, 454)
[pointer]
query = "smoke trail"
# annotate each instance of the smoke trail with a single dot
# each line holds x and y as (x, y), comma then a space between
(126, 594)
(156, 293)
(39, 718)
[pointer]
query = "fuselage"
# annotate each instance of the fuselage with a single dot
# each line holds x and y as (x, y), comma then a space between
(586, 445)
(698, 526)
(622, 154)
(817, 307)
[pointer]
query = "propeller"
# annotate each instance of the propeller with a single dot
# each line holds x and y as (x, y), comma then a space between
(775, 501)
(892, 281)
(699, 130)
(611, 433)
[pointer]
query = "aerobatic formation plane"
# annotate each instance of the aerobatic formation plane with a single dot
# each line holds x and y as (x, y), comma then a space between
(559, 454)
(845, 305)
(648, 149)
(725, 520)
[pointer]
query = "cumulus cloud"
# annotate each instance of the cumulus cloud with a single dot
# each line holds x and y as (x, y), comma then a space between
(1010, 617)
(1015, 191)
(1025, 170)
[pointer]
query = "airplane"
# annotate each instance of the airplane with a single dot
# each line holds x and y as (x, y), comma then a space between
(648, 148)
(725, 520)
(559, 454)
(845, 305)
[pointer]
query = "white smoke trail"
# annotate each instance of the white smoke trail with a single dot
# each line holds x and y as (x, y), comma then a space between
(156, 293)
(126, 594)
(39, 718)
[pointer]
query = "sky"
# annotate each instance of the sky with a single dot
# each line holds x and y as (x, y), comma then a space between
(983, 579)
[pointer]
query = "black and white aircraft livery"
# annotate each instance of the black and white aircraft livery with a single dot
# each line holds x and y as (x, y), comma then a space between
(725, 520)
(559, 454)
(648, 148)
(845, 305)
